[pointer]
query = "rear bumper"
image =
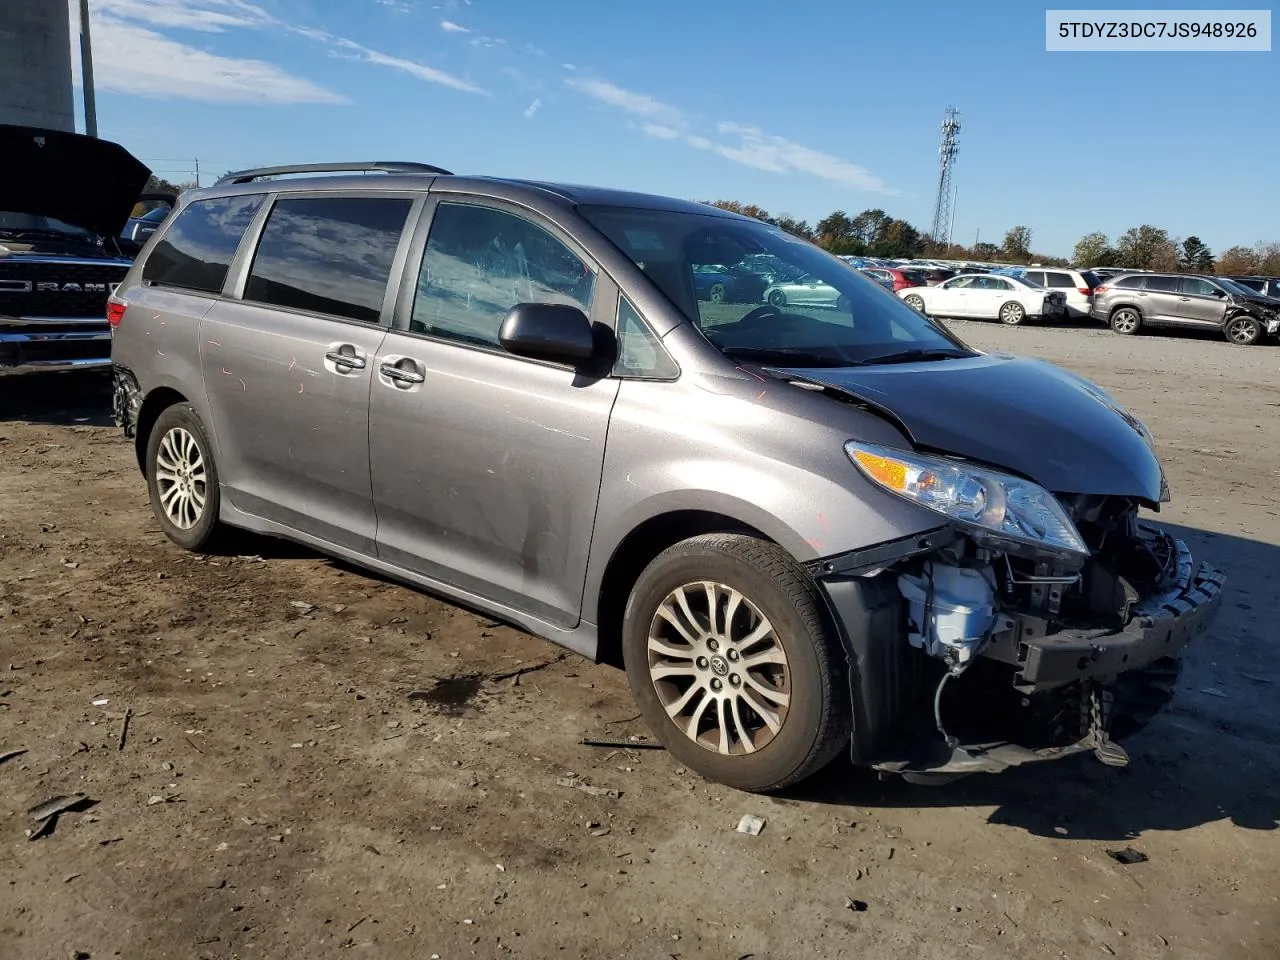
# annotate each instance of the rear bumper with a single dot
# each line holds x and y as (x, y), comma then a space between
(32, 348)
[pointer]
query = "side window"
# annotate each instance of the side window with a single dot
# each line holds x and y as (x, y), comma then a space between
(1060, 281)
(1130, 283)
(480, 262)
(1163, 284)
(1035, 276)
(197, 249)
(640, 354)
(328, 255)
(1196, 287)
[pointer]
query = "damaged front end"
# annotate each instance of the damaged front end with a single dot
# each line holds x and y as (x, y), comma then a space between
(979, 647)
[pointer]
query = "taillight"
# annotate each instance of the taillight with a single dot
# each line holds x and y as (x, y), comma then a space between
(115, 313)
(1102, 289)
(1085, 290)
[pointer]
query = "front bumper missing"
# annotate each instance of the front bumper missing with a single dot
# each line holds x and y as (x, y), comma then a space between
(1160, 627)
(893, 732)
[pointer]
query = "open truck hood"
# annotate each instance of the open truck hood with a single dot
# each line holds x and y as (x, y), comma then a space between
(1024, 415)
(79, 180)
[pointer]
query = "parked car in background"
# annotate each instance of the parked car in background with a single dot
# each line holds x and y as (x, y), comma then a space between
(797, 527)
(881, 277)
(898, 279)
(1130, 302)
(1077, 285)
(64, 199)
(807, 290)
(140, 228)
(1267, 286)
(1011, 300)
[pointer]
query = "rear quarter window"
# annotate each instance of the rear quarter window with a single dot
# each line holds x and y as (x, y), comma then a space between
(196, 250)
(1129, 283)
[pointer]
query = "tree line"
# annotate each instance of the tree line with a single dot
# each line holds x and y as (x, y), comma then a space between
(873, 233)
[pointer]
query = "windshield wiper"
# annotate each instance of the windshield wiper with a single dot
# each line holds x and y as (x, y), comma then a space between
(784, 355)
(911, 356)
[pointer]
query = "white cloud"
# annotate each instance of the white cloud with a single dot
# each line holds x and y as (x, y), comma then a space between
(638, 104)
(568, 66)
(211, 16)
(448, 26)
(148, 64)
(532, 109)
(660, 132)
(411, 67)
(740, 143)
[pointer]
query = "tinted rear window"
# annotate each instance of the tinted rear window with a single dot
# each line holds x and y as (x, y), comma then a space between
(196, 251)
(914, 276)
(1060, 280)
(1163, 284)
(328, 255)
(1258, 285)
(1130, 283)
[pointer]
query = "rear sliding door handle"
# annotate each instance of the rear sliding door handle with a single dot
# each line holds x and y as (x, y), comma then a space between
(341, 359)
(400, 374)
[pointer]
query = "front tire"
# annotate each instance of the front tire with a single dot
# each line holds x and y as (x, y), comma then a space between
(1244, 331)
(733, 665)
(777, 299)
(1012, 314)
(717, 293)
(182, 479)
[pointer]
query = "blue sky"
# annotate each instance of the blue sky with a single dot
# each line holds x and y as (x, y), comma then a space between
(800, 108)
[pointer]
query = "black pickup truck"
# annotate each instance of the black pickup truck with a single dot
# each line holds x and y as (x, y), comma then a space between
(64, 200)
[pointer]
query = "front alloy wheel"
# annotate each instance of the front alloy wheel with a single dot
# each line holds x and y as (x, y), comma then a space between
(717, 293)
(1244, 330)
(733, 664)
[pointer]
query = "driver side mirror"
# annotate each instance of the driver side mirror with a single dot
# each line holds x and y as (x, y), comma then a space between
(1219, 292)
(548, 331)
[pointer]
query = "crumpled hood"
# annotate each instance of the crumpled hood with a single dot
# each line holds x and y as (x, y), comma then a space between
(1024, 415)
(79, 180)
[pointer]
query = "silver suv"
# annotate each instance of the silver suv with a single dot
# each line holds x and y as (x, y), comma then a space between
(804, 529)
(1130, 302)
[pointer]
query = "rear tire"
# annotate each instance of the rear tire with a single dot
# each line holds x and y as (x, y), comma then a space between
(1012, 314)
(699, 684)
(777, 299)
(914, 301)
(1126, 321)
(182, 479)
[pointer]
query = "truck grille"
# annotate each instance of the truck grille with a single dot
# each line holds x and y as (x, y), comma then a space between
(81, 287)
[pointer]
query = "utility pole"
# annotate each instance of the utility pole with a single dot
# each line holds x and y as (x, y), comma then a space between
(947, 151)
(86, 72)
(197, 173)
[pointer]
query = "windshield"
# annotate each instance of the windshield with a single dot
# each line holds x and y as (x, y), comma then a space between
(782, 301)
(30, 223)
(1237, 288)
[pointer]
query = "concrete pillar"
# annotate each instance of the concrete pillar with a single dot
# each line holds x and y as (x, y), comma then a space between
(35, 64)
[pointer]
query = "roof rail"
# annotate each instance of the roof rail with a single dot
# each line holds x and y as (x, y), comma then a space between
(375, 166)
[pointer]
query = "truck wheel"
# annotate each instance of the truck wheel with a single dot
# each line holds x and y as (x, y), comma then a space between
(1243, 330)
(733, 664)
(182, 479)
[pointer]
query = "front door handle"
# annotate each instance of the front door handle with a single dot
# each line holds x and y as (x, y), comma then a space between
(1185, 299)
(349, 360)
(400, 374)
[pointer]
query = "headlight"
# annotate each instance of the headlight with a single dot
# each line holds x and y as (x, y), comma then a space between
(990, 502)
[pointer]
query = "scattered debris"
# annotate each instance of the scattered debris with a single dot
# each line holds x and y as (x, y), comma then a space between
(516, 674)
(1128, 856)
(356, 924)
(10, 754)
(70, 877)
(102, 701)
(56, 805)
(600, 832)
(750, 825)
(124, 727)
(303, 606)
(630, 743)
(857, 906)
(573, 780)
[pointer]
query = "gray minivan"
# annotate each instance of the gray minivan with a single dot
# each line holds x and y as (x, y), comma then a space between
(803, 529)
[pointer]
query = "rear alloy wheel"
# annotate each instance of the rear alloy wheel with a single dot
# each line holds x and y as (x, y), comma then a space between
(732, 663)
(778, 299)
(1127, 321)
(914, 301)
(182, 479)
(717, 293)
(1244, 330)
(1012, 314)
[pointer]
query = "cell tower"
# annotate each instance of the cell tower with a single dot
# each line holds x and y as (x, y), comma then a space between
(947, 151)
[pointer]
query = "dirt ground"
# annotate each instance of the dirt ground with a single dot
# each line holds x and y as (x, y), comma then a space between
(320, 764)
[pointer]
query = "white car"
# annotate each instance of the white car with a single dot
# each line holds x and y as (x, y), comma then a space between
(1011, 300)
(1078, 285)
